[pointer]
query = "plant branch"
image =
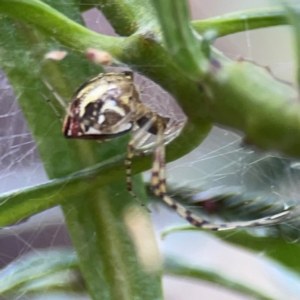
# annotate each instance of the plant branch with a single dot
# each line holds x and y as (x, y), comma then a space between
(243, 20)
(55, 24)
(179, 39)
(127, 17)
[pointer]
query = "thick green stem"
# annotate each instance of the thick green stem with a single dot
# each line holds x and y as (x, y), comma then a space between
(128, 16)
(55, 24)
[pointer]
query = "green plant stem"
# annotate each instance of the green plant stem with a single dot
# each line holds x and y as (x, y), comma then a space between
(243, 20)
(179, 39)
(293, 17)
(126, 17)
(55, 24)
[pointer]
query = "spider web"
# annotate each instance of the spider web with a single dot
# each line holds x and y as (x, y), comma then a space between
(220, 162)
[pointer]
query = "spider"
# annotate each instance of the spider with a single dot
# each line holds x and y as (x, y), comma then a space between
(108, 106)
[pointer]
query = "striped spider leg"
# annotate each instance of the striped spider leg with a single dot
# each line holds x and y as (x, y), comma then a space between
(108, 106)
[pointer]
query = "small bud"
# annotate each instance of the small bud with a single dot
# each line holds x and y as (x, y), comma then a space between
(98, 57)
(56, 55)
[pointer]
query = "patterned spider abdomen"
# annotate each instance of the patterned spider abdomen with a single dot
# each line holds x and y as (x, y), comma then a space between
(102, 108)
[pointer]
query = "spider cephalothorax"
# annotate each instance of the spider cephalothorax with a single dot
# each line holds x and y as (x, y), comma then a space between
(108, 106)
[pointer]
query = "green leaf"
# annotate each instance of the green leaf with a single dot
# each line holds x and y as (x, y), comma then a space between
(41, 271)
(275, 247)
(104, 231)
(176, 266)
(23, 274)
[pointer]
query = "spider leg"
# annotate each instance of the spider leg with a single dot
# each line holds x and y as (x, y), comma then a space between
(132, 151)
(55, 110)
(115, 127)
(158, 184)
(56, 95)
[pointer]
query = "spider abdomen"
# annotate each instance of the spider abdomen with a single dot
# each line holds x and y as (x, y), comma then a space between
(102, 108)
